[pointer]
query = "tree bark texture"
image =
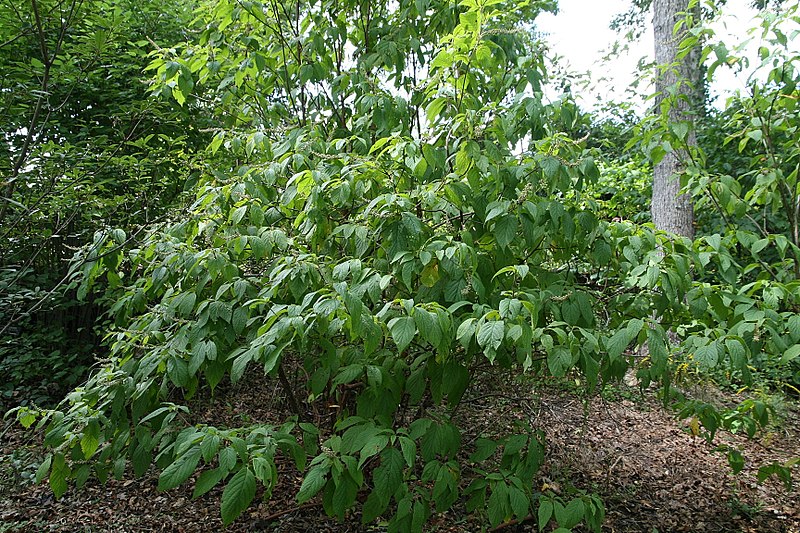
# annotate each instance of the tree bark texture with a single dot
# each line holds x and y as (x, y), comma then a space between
(672, 211)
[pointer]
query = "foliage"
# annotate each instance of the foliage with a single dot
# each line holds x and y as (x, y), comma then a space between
(85, 149)
(622, 192)
(757, 198)
(35, 365)
(395, 211)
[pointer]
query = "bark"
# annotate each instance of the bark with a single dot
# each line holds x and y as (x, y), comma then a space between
(672, 211)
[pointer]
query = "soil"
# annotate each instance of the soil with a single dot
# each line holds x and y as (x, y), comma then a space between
(652, 473)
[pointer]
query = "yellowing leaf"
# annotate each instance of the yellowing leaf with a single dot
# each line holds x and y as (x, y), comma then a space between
(430, 274)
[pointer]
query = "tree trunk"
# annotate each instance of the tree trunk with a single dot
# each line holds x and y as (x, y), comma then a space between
(672, 211)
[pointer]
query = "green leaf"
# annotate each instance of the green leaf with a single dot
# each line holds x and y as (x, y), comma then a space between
(620, 340)
(207, 481)
(58, 475)
(491, 334)
(505, 229)
(419, 516)
(180, 470)
(681, 129)
(343, 496)
(375, 505)
(545, 513)
(428, 326)
(238, 214)
(313, 482)
(519, 502)
(756, 135)
(26, 417)
(790, 354)
(141, 458)
(91, 438)
(633, 328)
(227, 459)
(209, 447)
(465, 331)
(559, 360)
(759, 245)
(498, 506)
(389, 476)
(484, 448)
(707, 355)
(571, 515)
(793, 326)
(81, 475)
(373, 447)
(240, 363)
(403, 329)
(238, 494)
(550, 165)
(44, 468)
(409, 449)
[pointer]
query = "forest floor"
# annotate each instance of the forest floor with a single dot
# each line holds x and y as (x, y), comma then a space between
(651, 472)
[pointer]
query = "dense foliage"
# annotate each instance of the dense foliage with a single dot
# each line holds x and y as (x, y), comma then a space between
(85, 149)
(394, 210)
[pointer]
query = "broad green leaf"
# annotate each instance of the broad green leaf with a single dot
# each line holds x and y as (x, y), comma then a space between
(707, 355)
(484, 448)
(141, 459)
(373, 447)
(59, 472)
(545, 513)
(91, 438)
(227, 459)
(498, 506)
(790, 354)
(344, 495)
(571, 515)
(620, 340)
(43, 469)
(374, 507)
(238, 494)
(430, 275)
(26, 417)
(550, 165)
(519, 502)
(409, 449)
(207, 481)
(465, 331)
(403, 330)
(180, 470)
(505, 230)
(491, 334)
(559, 360)
(793, 326)
(313, 482)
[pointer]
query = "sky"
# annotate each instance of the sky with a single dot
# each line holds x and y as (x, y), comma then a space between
(580, 33)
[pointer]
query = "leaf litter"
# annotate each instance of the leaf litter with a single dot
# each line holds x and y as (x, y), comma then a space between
(650, 470)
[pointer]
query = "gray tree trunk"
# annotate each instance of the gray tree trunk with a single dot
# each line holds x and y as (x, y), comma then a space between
(672, 211)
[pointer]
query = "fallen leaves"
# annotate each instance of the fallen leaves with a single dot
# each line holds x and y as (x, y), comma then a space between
(648, 468)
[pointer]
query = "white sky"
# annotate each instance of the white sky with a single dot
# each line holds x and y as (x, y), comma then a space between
(580, 34)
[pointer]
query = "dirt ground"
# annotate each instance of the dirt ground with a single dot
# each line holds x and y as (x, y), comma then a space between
(651, 472)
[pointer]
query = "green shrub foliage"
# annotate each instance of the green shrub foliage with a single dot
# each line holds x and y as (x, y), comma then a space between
(397, 209)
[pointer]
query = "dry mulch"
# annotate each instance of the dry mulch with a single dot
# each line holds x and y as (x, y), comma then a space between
(652, 474)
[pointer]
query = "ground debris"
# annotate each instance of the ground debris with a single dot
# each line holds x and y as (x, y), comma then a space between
(651, 472)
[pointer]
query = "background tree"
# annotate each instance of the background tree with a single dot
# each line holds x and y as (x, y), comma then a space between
(86, 149)
(677, 82)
